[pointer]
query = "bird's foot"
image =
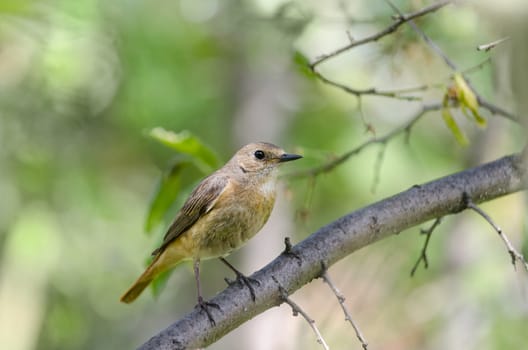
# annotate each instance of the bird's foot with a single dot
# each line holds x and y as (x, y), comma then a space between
(204, 306)
(243, 280)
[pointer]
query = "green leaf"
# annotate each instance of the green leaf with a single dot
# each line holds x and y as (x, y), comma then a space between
(187, 143)
(303, 64)
(166, 191)
(453, 126)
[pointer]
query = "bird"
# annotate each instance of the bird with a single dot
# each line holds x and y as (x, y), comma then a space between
(223, 212)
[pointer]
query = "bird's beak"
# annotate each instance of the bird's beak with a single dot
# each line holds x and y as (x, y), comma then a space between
(287, 157)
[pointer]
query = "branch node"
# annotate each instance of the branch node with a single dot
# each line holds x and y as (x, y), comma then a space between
(288, 250)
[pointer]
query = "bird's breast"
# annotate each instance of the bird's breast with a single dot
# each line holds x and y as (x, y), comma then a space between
(236, 217)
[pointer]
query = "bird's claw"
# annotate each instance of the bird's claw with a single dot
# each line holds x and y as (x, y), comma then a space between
(204, 306)
(242, 280)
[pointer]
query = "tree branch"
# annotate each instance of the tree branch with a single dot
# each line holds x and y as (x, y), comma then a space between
(338, 239)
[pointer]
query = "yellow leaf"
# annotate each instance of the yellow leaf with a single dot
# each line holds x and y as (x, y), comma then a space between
(467, 98)
(453, 126)
(480, 120)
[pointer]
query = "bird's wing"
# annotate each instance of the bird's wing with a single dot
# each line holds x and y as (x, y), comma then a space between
(200, 202)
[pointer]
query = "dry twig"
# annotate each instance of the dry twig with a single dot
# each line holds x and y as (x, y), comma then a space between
(423, 254)
(396, 93)
(296, 309)
(377, 168)
(514, 254)
(341, 299)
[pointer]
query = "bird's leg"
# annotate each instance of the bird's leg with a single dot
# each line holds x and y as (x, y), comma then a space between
(202, 304)
(243, 279)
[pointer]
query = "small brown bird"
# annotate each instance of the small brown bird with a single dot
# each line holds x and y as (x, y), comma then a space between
(224, 211)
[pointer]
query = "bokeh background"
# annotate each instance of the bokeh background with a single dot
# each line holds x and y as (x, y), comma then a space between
(83, 82)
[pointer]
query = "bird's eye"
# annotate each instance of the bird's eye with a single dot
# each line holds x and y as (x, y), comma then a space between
(259, 154)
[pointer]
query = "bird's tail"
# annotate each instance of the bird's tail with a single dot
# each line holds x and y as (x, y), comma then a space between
(141, 283)
(135, 290)
(161, 262)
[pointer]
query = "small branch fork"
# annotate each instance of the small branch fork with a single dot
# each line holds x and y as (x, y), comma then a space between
(296, 309)
(423, 255)
(400, 94)
(341, 299)
(388, 30)
(514, 254)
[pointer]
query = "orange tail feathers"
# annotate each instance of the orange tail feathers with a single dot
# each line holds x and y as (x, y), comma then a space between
(133, 292)
(162, 262)
(141, 283)
(154, 269)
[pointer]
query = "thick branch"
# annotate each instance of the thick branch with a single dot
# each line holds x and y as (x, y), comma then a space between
(339, 239)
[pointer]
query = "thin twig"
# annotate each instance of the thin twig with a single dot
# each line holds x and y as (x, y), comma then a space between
(423, 254)
(377, 167)
(330, 165)
(388, 30)
(397, 93)
(514, 254)
(368, 126)
(341, 299)
(477, 66)
(492, 45)
(493, 109)
(296, 309)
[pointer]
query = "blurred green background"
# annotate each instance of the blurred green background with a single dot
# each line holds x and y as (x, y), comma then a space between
(83, 82)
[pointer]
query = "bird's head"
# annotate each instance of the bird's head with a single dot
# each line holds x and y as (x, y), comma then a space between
(261, 158)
